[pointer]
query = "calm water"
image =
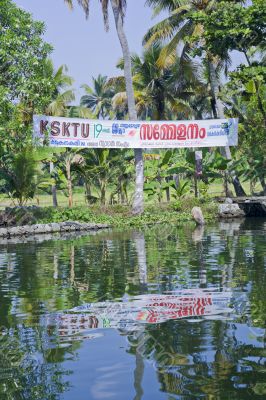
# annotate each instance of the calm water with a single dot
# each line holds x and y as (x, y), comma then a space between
(167, 313)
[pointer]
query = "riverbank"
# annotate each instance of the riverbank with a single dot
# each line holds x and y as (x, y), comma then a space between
(62, 227)
(113, 216)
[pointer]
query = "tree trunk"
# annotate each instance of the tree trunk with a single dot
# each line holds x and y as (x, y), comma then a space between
(176, 179)
(263, 185)
(227, 190)
(69, 183)
(88, 191)
(54, 195)
(103, 194)
(121, 190)
(139, 165)
(72, 265)
(138, 375)
(140, 244)
(218, 106)
(168, 193)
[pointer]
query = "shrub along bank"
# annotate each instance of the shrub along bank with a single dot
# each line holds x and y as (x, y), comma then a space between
(116, 216)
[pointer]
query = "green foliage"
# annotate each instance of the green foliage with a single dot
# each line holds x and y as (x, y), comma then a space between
(106, 168)
(22, 54)
(168, 84)
(19, 179)
(231, 26)
(157, 177)
(99, 97)
(26, 84)
(177, 205)
(120, 216)
(165, 88)
(245, 97)
(182, 189)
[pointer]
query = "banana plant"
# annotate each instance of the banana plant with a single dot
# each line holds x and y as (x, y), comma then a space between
(156, 174)
(24, 176)
(105, 170)
(214, 165)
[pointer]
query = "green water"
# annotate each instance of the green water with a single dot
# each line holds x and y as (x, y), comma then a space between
(167, 313)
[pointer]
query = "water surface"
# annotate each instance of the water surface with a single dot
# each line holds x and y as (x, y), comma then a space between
(167, 313)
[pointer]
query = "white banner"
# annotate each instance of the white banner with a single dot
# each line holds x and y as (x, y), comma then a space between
(77, 132)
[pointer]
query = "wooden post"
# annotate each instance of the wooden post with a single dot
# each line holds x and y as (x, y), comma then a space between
(198, 170)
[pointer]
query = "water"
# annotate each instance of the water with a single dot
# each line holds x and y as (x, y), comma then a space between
(167, 313)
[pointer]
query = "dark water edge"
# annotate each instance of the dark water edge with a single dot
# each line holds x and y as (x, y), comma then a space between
(164, 313)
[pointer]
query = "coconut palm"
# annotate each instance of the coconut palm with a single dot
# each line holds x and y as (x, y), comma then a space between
(166, 87)
(99, 97)
(118, 8)
(61, 96)
(175, 29)
(163, 91)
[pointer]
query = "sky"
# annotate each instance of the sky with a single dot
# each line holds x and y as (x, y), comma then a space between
(84, 45)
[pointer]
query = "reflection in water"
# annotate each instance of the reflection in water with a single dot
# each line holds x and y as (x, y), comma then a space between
(185, 311)
(146, 309)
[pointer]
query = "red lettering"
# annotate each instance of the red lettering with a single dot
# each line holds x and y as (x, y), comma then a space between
(156, 132)
(55, 128)
(75, 125)
(193, 131)
(202, 133)
(85, 130)
(65, 130)
(164, 132)
(181, 132)
(172, 132)
(168, 132)
(43, 126)
(144, 130)
(150, 133)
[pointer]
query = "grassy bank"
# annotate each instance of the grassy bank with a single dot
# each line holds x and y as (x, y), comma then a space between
(120, 216)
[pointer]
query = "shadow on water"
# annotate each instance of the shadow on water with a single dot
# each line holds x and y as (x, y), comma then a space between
(170, 312)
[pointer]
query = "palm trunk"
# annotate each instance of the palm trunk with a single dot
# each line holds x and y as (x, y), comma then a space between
(138, 375)
(139, 165)
(69, 183)
(263, 185)
(87, 191)
(140, 245)
(54, 195)
(168, 193)
(103, 194)
(72, 265)
(176, 179)
(219, 113)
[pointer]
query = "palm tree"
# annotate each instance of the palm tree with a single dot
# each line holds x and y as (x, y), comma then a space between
(118, 8)
(167, 87)
(175, 28)
(162, 91)
(61, 99)
(98, 98)
(61, 95)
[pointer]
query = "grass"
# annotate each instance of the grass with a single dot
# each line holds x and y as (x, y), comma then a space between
(118, 215)
(45, 200)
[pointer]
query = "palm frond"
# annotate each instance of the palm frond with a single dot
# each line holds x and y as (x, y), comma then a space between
(85, 4)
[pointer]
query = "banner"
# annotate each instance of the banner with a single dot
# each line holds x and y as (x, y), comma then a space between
(144, 309)
(77, 132)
